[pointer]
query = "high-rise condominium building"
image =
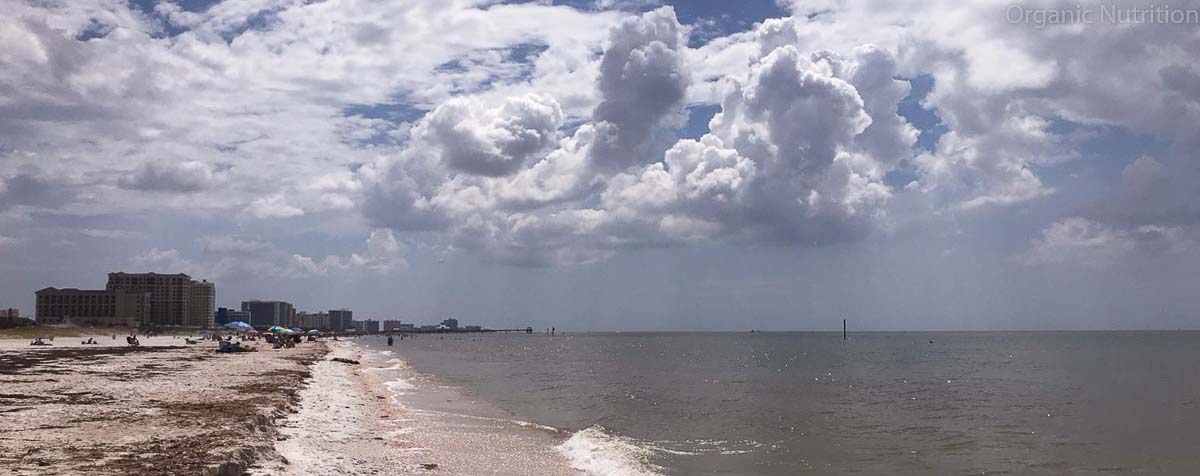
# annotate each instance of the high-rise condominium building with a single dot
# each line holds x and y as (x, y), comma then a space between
(201, 305)
(391, 325)
(312, 320)
(270, 313)
(369, 325)
(226, 315)
(341, 319)
(175, 299)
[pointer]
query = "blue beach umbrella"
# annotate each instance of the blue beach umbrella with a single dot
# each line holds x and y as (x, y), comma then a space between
(239, 325)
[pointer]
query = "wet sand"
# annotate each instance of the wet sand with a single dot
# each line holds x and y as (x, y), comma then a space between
(349, 422)
(338, 425)
(163, 408)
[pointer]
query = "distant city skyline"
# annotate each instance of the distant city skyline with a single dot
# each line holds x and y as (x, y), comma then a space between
(609, 165)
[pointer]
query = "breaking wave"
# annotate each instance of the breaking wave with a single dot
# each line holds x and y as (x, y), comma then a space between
(598, 453)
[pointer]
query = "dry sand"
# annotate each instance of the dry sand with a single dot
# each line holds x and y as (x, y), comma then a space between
(163, 408)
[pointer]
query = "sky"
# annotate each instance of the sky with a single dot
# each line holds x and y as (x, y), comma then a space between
(612, 165)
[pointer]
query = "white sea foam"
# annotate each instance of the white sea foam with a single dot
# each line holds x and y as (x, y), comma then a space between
(400, 386)
(529, 424)
(395, 364)
(598, 453)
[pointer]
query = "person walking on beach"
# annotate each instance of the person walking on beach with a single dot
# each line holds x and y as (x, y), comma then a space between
(389, 341)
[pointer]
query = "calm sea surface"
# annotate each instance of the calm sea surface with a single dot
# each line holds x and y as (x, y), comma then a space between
(1050, 403)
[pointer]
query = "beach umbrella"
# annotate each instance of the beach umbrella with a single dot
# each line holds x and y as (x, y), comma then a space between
(314, 331)
(297, 330)
(277, 330)
(239, 325)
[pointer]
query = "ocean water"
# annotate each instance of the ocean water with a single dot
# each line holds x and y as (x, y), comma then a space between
(1047, 403)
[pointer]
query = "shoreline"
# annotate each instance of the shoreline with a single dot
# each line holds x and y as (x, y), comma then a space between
(358, 420)
(162, 408)
(336, 426)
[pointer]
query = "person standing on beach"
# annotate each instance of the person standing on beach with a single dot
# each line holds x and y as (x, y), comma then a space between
(389, 341)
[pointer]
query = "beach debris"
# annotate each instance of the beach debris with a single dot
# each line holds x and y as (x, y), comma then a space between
(344, 360)
(429, 465)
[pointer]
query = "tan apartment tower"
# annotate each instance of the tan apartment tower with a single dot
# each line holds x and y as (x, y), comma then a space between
(171, 297)
(203, 304)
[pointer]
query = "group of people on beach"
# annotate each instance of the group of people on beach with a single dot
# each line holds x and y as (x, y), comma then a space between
(283, 341)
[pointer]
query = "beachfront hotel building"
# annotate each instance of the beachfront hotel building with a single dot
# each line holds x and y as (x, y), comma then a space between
(313, 320)
(175, 299)
(97, 307)
(9, 317)
(226, 315)
(369, 325)
(202, 304)
(391, 325)
(341, 319)
(270, 313)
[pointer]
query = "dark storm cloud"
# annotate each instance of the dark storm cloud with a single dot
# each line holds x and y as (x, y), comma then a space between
(169, 176)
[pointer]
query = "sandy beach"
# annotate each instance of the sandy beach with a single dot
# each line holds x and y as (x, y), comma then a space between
(165, 407)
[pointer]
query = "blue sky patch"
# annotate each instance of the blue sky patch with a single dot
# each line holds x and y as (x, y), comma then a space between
(95, 29)
(698, 117)
(396, 112)
(925, 120)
